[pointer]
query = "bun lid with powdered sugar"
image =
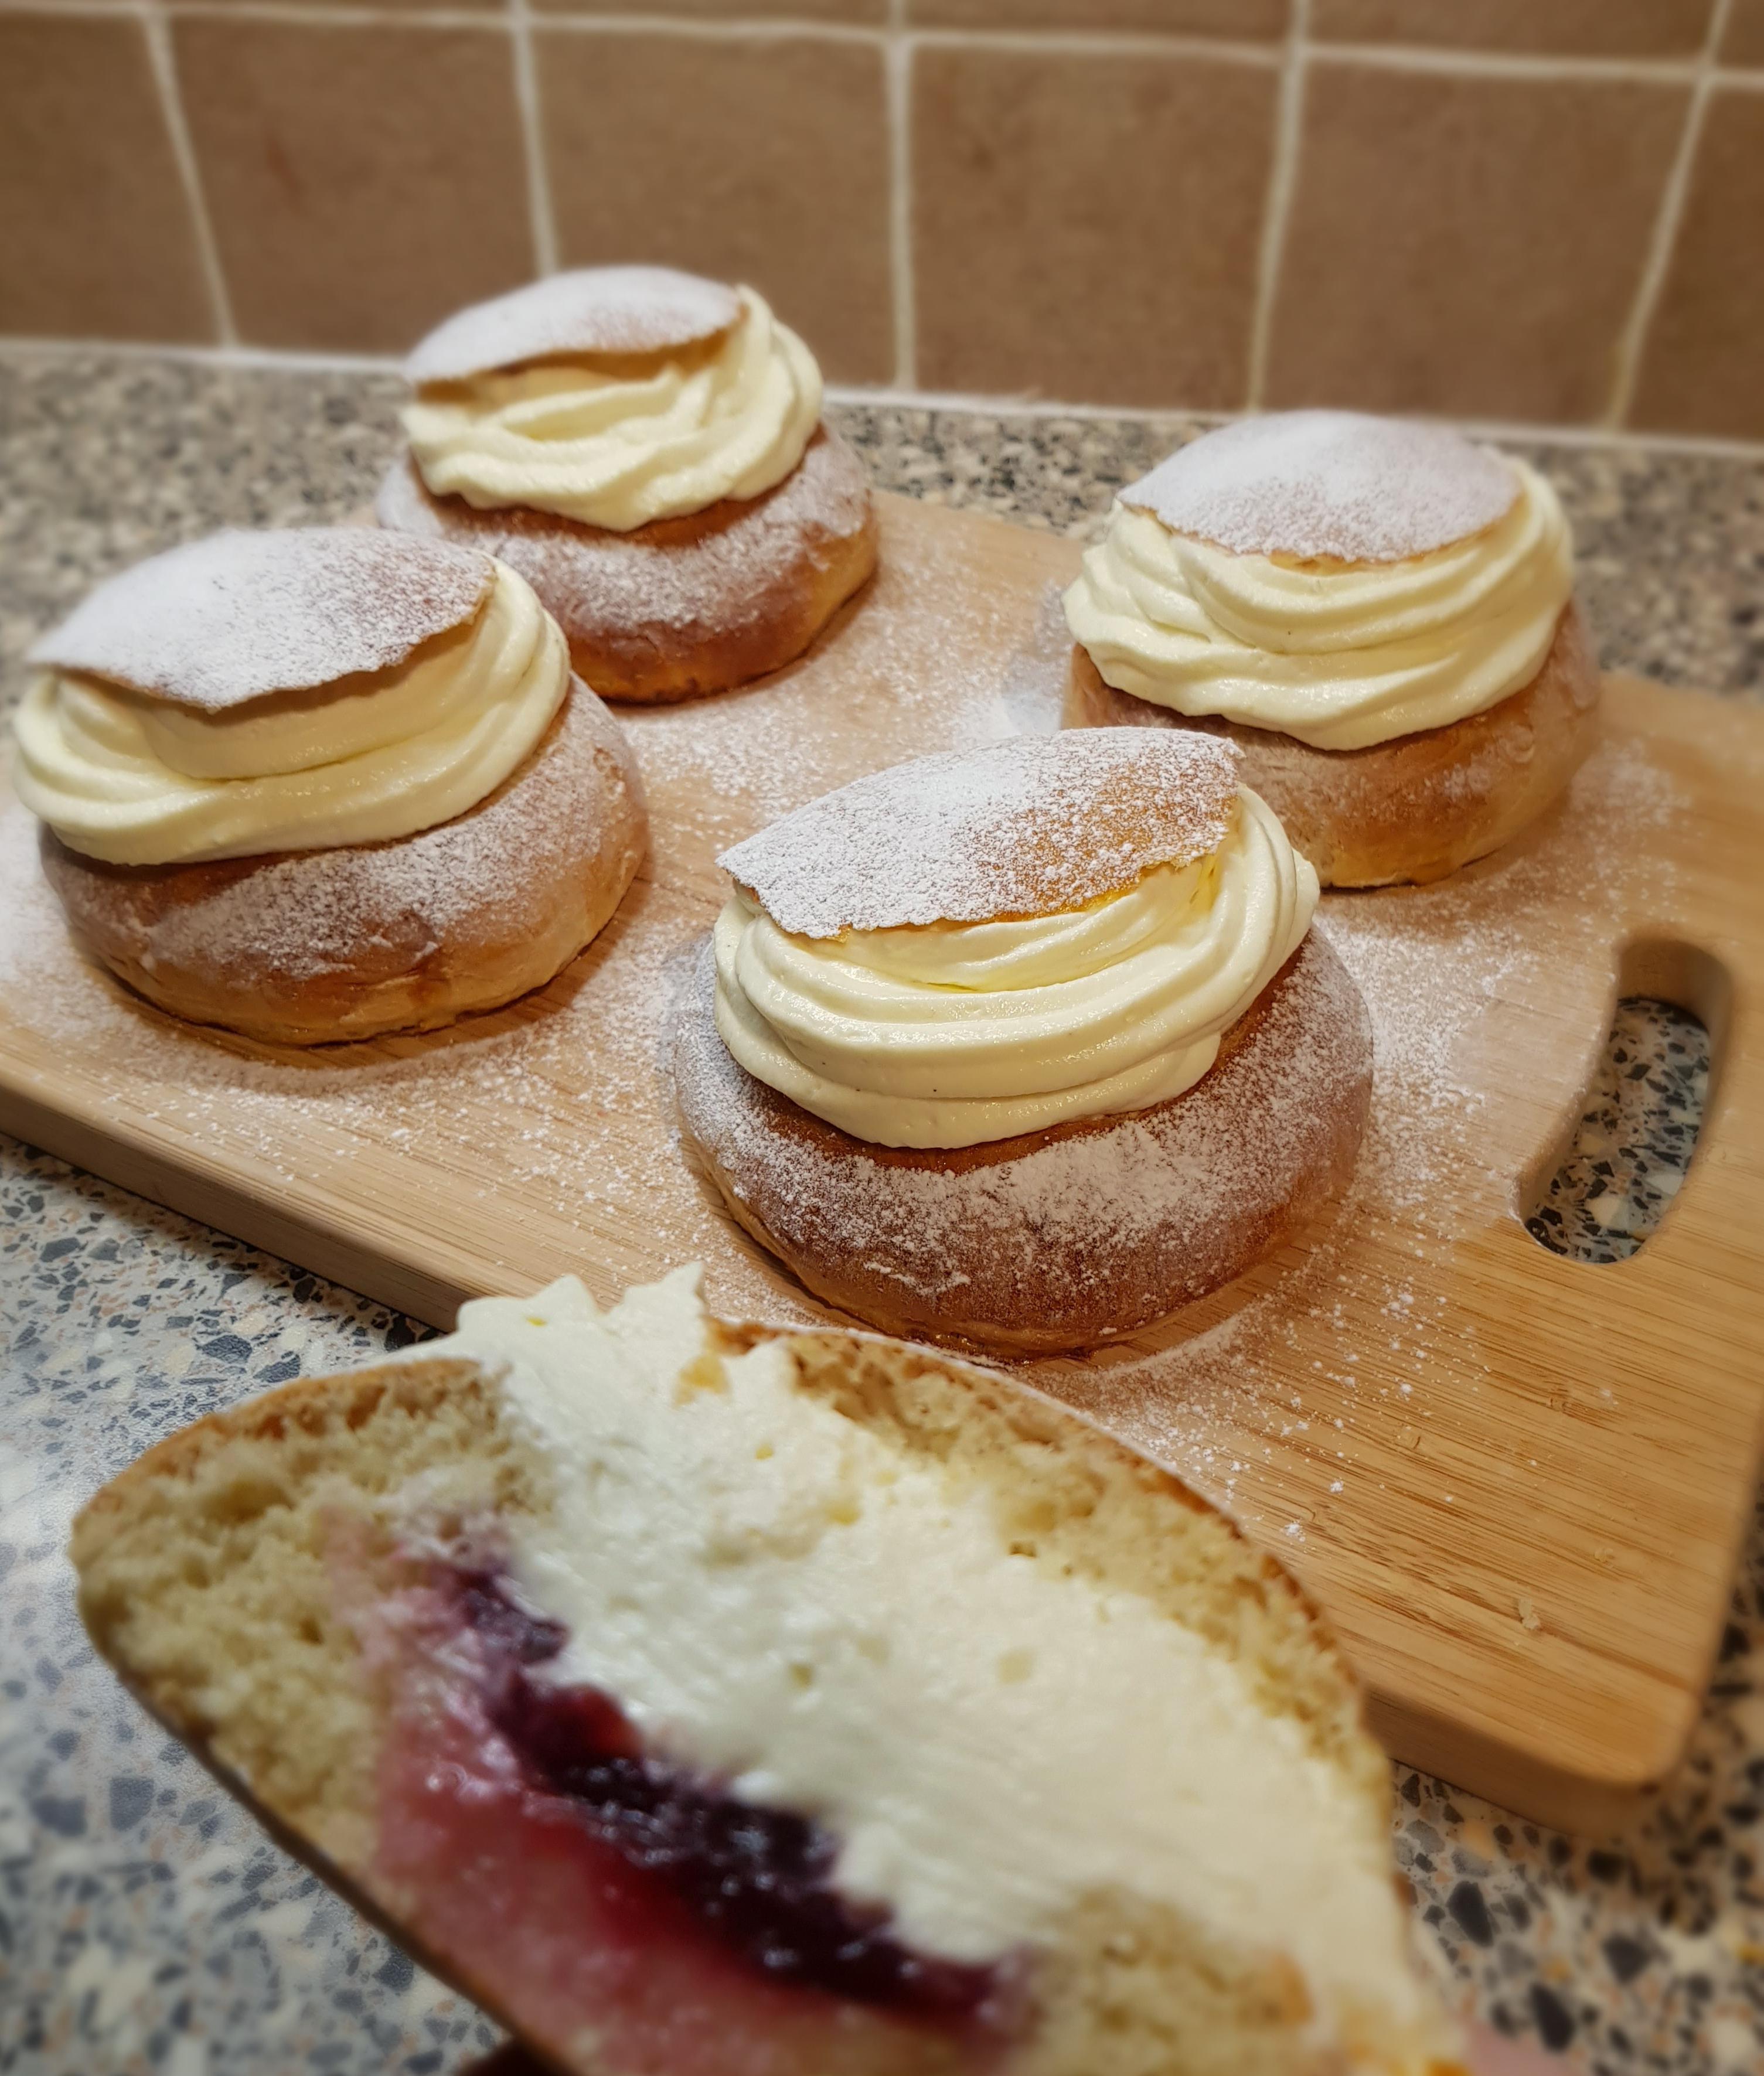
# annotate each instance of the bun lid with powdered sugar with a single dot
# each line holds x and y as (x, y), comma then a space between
(240, 616)
(594, 309)
(1027, 827)
(1342, 485)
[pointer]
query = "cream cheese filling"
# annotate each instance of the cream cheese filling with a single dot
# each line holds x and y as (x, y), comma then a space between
(618, 441)
(137, 780)
(1341, 656)
(954, 1034)
(777, 1597)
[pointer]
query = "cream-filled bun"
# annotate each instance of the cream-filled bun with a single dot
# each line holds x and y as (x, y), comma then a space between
(1378, 613)
(710, 1700)
(646, 447)
(322, 784)
(1024, 1047)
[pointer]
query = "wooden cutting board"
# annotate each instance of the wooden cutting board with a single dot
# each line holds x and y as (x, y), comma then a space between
(1518, 1484)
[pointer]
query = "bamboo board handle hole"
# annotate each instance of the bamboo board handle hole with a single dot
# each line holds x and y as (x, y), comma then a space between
(1628, 1148)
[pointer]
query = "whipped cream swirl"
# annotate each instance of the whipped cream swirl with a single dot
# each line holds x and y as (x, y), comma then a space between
(136, 779)
(950, 1035)
(617, 440)
(1340, 655)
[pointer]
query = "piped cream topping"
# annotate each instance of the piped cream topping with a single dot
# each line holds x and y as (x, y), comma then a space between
(950, 1035)
(618, 440)
(136, 779)
(1338, 654)
(777, 1597)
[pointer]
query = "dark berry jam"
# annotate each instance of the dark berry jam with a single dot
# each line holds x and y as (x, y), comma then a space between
(759, 1879)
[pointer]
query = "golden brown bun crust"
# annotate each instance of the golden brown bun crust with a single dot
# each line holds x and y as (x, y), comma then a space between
(684, 606)
(1415, 808)
(1061, 1239)
(300, 947)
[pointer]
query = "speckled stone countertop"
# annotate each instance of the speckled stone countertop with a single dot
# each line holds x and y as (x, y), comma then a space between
(145, 1922)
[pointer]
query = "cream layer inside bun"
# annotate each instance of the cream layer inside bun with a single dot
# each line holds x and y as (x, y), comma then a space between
(614, 439)
(953, 1031)
(1339, 578)
(135, 777)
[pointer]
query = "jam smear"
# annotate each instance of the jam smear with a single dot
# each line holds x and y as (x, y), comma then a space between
(761, 1880)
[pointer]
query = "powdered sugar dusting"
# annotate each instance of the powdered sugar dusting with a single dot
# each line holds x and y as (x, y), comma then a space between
(592, 310)
(1338, 484)
(1025, 828)
(918, 669)
(540, 1138)
(241, 615)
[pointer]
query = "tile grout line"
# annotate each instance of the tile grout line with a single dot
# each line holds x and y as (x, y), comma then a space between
(1282, 177)
(1632, 341)
(897, 58)
(295, 13)
(1507, 65)
(542, 219)
(681, 28)
(163, 61)
(1124, 42)
(1393, 56)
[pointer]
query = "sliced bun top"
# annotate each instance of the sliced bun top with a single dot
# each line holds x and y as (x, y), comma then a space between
(240, 615)
(1340, 484)
(1025, 827)
(595, 310)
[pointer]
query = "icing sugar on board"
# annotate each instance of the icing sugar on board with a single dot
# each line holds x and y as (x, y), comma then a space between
(1517, 1484)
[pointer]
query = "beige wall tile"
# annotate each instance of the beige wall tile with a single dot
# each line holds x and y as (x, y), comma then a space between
(1744, 43)
(1240, 19)
(1467, 246)
(95, 236)
(761, 159)
(1085, 227)
(363, 181)
(1602, 28)
(1702, 362)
